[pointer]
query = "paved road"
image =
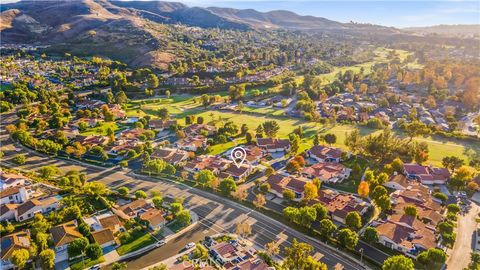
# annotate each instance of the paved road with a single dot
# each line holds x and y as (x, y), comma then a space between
(459, 256)
(216, 214)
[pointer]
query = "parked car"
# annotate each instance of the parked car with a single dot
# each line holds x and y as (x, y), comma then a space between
(189, 245)
(160, 243)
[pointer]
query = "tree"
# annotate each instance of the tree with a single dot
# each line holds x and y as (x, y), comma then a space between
(259, 201)
(353, 220)
(236, 92)
(176, 207)
(294, 142)
(441, 196)
(93, 251)
(47, 257)
(298, 256)
(77, 247)
(293, 166)
(152, 81)
(46, 172)
(163, 113)
(271, 249)
(20, 159)
(228, 185)
(310, 191)
(157, 201)
(205, 177)
(452, 162)
(42, 240)
(327, 227)
(453, 208)
(432, 259)
(169, 169)
(353, 141)
(384, 203)
(348, 238)
(398, 262)
(410, 210)
(288, 195)
(462, 175)
(121, 98)
(363, 189)
(244, 229)
(123, 191)
(270, 128)
(240, 194)
(370, 235)
(330, 138)
(119, 266)
(20, 257)
(416, 128)
(184, 218)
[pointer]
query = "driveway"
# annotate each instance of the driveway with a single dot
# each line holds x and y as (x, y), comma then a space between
(459, 256)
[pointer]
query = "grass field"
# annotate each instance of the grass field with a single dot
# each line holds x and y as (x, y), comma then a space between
(138, 243)
(101, 129)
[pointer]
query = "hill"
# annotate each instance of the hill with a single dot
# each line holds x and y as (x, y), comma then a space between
(463, 31)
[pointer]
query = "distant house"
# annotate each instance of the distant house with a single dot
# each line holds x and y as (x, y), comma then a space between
(327, 172)
(62, 236)
(427, 175)
(160, 124)
(92, 140)
(104, 237)
(226, 252)
(89, 104)
(10, 243)
(196, 129)
(104, 221)
(273, 145)
(193, 143)
(279, 183)
(339, 204)
(28, 209)
(322, 153)
(170, 155)
(154, 218)
(254, 154)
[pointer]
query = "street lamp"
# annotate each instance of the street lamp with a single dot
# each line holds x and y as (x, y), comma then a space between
(361, 255)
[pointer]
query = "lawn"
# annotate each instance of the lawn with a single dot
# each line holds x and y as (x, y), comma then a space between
(439, 147)
(175, 226)
(140, 242)
(85, 263)
(100, 129)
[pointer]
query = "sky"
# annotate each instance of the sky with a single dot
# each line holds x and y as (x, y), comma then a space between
(386, 12)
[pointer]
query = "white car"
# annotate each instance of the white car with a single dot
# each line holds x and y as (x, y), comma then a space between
(160, 243)
(189, 245)
(95, 267)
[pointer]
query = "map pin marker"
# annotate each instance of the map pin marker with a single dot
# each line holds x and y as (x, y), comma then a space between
(238, 156)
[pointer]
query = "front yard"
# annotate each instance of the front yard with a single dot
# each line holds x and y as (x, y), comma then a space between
(139, 242)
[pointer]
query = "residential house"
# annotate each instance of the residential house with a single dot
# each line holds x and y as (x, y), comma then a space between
(7, 211)
(104, 221)
(160, 124)
(62, 236)
(322, 153)
(92, 140)
(406, 234)
(170, 155)
(279, 183)
(427, 175)
(10, 243)
(198, 129)
(206, 162)
(28, 209)
(104, 237)
(132, 209)
(16, 194)
(8, 180)
(273, 145)
(327, 172)
(398, 182)
(154, 218)
(237, 173)
(254, 154)
(339, 204)
(252, 264)
(192, 143)
(227, 252)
